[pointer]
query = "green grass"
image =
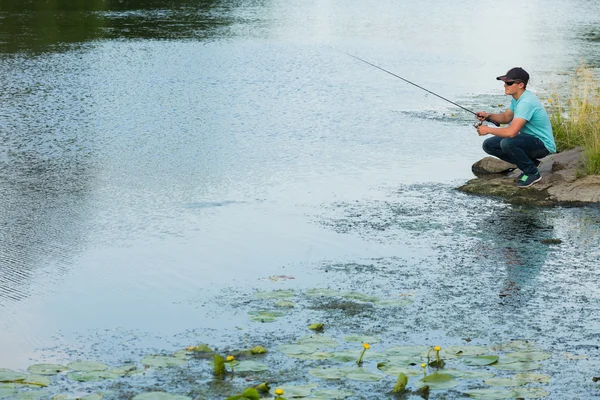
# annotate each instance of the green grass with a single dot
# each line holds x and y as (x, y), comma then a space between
(576, 118)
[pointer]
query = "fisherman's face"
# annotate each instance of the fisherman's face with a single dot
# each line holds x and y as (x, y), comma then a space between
(512, 86)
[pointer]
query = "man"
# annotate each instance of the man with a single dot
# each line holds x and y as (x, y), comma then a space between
(528, 137)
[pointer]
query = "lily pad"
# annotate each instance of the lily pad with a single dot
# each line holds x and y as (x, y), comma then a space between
(406, 350)
(394, 302)
(298, 391)
(296, 349)
(319, 341)
(490, 394)
(285, 304)
(364, 376)
(362, 339)
(438, 381)
(518, 366)
(6, 392)
(480, 360)
(530, 393)
(352, 355)
(36, 380)
(469, 374)
(367, 298)
(31, 395)
(508, 382)
(332, 393)
(404, 361)
(395, 369)
(530, 355)
(85, 376)
(251, 366)
(124, 370)
(318, 355)
(531, 377)
(327, 373)
(275, 294)
(466, 350)
(87, 366)
(264, 316)
(7, 375)
(47, 369)
(322, 293)
(159, 396)
(162, 361)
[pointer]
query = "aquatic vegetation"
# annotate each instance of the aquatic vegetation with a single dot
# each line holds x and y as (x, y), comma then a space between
(279, 392)
(576, 118)
(366, 347)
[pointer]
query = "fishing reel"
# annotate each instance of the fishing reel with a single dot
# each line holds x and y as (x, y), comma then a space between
(477, 124)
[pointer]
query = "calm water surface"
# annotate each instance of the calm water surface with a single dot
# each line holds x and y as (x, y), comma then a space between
(155, 155)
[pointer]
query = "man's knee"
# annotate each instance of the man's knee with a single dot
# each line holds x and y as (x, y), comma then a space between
(506, 145)
(488, 146)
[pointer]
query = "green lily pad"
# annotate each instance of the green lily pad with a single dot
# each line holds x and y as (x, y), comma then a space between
(275, 294)
(520, 345)
(466, 350)
(296, 349)
(250, 366)
(319, 341)
(352, 355)
(47, 369)
(518, 366)
(285, 304)
(491, 394)
(159, 396)
(404, 361)
(364, 376)
(394, 303)
(531, 377)
(367, 298)
(85, 376)
(124, 370)
(318, 355)
(530, 356)
(162, 361)
(530, 393)
(7, 375)
(67, 396)
(395, 369)
(508, 382)
(362, 339)
(332, 394)
(32, 395)
(327, 373)
(36, 380)
(298, 391)
(469, 374)
(182, 354)
(407, 350)
(6, 392)
(322, 293)
(87, 366)
(264, 316)
(437, 381)
(480, 360)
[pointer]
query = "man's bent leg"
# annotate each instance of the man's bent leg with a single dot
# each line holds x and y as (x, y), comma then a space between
(524, 149)
(493, 148)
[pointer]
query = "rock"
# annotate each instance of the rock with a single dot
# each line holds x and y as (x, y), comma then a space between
(560, 182)
(491, 165)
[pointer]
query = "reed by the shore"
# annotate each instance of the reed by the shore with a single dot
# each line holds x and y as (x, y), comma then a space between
(576, 117)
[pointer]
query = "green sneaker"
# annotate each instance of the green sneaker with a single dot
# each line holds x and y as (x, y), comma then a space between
(528, 180)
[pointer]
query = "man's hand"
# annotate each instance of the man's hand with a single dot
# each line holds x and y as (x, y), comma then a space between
(481, 115)
(483, 130)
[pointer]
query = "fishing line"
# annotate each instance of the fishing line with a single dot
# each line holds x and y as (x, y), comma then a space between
(420, 87)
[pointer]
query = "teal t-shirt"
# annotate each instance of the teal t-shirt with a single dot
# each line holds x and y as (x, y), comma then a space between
(531, 109)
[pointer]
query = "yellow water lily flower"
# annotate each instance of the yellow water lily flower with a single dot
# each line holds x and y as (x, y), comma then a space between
(230, 358)
(423, 365)
(366, 346)
(549, 100)
(437, 348)
(279, 392)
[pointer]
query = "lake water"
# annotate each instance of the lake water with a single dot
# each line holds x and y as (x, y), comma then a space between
(159, 159)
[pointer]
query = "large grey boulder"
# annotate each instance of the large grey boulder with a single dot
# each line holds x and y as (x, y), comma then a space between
(561, 181)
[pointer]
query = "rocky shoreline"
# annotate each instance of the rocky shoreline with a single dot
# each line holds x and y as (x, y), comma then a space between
(560, 184)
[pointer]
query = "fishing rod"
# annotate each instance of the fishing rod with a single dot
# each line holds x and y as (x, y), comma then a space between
(422, 88)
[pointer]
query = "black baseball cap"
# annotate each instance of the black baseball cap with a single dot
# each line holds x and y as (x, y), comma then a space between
(515, 74)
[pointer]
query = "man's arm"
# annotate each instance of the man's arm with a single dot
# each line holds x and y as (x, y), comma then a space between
(503, 118)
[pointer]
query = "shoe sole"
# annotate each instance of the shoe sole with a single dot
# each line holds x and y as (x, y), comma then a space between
(537, 180)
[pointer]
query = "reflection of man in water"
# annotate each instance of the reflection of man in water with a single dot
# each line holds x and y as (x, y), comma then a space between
(528, 137)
